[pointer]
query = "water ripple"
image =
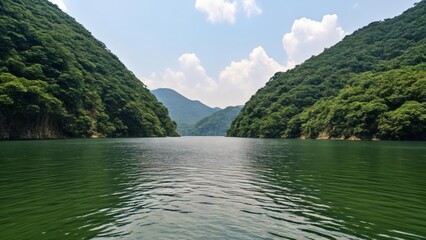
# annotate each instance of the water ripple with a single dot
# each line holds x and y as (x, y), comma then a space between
(212, 188)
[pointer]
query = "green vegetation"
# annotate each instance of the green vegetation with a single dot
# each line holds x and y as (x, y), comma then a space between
(370, 85)
(216, 124)
(184, 111)
(57, 80)
(194, 118)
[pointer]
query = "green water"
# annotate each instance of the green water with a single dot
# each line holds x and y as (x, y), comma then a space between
(212, 188)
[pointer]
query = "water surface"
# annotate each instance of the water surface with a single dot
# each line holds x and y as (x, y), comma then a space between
(212, 188)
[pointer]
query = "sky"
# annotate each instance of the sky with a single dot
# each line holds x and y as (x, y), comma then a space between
(222, 51)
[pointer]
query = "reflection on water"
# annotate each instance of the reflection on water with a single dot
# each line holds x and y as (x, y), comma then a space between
(212, 187)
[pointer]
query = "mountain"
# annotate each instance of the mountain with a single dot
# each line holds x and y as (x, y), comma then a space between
(216, 124)
(57, 80)
(370, 85)
(184, 111)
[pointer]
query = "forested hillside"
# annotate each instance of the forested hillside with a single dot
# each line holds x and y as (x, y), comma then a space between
(370, 85)
(57, 80)
(216, 124)
(184, 111)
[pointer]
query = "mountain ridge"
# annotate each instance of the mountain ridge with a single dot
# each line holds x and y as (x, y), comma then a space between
(184, 111)
(323, 97)
(217, 123)
(58, 81)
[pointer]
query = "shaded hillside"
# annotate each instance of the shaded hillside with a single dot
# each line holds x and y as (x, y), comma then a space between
(184, 111)
(216, 124)
(57, 80)
(370, 85)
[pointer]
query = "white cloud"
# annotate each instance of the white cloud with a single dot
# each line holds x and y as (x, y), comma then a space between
(234, 86)
(60, 4)
(195, 74)
(217, 10)
(241, 79)
(191, 79)
(309, 37)
(250, 7)
(226, 10)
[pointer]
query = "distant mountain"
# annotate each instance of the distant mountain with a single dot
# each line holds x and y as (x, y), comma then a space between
(370, 85)
(216, 124)
(184, 111)
(58, 81)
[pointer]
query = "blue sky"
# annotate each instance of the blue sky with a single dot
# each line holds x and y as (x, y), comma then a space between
(221, 51)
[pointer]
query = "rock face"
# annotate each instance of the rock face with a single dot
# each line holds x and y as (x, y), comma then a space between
(57, 81)
(371, 85)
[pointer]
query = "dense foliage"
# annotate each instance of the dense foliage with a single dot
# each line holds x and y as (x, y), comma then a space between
(370, 85)
(184, 111)
(216, 124)
(57, 80)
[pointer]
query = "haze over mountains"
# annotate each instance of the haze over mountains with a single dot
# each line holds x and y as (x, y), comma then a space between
(217, 123)
(58, 81)
(194, 118)
(184, 111)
